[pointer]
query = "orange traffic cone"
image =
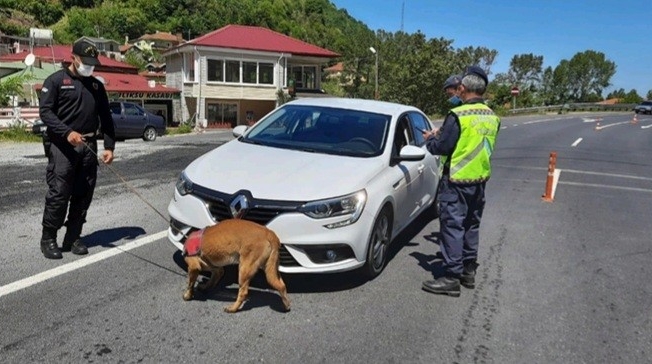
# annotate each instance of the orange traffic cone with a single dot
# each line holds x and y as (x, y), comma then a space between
(635, 119)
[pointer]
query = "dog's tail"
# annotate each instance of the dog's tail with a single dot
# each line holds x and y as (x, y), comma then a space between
(273, 261)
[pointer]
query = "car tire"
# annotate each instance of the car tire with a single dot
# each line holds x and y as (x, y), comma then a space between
(149, 135)
(378, 245)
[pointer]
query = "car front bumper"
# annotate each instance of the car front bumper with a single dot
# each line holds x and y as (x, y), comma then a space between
(308, 246)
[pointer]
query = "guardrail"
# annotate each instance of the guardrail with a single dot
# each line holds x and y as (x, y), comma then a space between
(575, 107)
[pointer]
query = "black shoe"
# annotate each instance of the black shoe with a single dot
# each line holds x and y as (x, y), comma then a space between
(50, 249)
(76, 247)
(467, 279)
(443, 285)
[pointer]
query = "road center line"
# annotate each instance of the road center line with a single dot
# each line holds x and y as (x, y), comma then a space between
(72, 266)
(576, 142)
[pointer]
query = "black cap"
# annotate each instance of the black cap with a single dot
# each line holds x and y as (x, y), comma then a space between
(476, 70)
(452, 81)
(87, 51)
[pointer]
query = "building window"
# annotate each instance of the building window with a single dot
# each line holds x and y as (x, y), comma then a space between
(304, 77)
(189, 67)
(249, 72)
(215, 70)
(232, 71)
(219, 112)
(266, 73)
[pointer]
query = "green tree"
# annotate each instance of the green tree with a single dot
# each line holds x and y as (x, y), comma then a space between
(13, 86)
(649, 95)
(589, 72)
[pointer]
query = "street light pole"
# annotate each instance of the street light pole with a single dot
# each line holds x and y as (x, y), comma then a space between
(373, 50)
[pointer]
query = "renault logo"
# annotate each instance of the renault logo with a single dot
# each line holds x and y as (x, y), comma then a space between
(239, 206)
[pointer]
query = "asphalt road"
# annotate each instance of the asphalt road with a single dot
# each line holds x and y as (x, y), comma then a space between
(565, 281)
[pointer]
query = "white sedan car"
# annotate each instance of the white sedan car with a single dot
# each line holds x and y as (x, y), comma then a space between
(336, 179)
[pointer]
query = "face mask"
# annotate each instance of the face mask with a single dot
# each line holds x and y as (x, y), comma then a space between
(455, 100)
(84, 70)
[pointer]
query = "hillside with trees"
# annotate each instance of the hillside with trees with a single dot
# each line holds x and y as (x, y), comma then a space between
(411, 66)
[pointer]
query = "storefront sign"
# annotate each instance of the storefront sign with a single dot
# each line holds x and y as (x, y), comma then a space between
(143, 95)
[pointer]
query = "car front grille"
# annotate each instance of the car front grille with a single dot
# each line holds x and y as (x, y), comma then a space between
(286, 259)
(257, 210)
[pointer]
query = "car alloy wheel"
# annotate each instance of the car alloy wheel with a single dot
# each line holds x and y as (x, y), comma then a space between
(149, 134)
(379, 243)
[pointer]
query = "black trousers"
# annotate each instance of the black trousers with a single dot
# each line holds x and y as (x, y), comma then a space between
(71, 175)
(459, 220)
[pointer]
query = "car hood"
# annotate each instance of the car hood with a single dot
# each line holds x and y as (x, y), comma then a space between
(281, 174)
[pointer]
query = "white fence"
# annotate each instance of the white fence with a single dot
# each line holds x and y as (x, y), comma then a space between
(21, 115)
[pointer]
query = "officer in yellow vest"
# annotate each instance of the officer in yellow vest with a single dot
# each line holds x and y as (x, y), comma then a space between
(465, 141)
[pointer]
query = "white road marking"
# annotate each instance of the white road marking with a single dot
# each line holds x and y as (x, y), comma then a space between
(636, 189)
(543, 120)
(608, 174)
(576, 142)
(66, 268)
(609, 125)
(646, 126)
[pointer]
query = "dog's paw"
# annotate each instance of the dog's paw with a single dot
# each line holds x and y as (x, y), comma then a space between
(230, 309)
(187, 295)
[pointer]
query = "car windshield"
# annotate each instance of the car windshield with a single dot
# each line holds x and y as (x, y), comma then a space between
(322, 130)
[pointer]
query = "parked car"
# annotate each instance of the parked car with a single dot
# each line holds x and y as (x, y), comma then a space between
(132, 121)
(644, 107)
(336, 179)
(129, 120)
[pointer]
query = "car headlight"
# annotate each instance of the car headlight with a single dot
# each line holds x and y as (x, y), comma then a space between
(350, 205)
(184, 184)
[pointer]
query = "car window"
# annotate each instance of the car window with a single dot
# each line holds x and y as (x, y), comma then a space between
(323, 130)
(403, 136)
(115, 108)
(418, 123)
(131, 109)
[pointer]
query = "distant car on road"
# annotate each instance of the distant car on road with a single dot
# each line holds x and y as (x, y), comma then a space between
(644, 107)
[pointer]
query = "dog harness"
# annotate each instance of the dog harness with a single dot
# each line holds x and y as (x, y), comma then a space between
(192, 246)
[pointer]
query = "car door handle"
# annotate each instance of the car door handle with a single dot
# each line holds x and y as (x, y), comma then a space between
(421, 168)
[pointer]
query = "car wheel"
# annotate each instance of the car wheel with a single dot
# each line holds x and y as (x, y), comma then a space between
(150, 134)
(379, 243)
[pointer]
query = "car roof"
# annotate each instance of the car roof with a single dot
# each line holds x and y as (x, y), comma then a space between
(382, 107)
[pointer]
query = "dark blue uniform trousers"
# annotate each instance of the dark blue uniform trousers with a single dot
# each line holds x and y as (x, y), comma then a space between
(461, 211)
(71, 175)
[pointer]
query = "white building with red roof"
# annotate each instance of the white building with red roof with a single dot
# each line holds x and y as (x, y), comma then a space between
(233, 75)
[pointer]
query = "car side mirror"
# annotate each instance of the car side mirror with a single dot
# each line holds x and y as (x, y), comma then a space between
(410, 153)
(239, 130)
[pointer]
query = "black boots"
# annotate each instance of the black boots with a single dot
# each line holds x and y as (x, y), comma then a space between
(443, 285)
(450, 285)
(50, 249)
(467, 279)
(76, 247)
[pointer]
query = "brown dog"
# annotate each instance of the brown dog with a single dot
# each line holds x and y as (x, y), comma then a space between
(250, 245)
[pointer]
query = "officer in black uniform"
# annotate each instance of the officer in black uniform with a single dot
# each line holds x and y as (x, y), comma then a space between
(74, 105)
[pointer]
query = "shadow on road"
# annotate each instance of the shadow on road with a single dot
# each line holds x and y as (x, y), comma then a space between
(108, 237)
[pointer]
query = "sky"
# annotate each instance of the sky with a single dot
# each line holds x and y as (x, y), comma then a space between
(554, 29)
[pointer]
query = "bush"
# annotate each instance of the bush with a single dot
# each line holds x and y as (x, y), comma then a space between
(18, 133)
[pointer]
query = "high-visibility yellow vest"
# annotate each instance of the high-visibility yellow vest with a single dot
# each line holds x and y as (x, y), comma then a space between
(470, 161)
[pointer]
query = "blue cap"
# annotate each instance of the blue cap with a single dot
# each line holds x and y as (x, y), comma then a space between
(476, 70)
(452, 81)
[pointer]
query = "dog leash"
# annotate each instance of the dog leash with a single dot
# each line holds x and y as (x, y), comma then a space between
(129, 186)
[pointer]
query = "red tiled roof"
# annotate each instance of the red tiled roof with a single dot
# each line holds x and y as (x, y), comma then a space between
(120, 82)
(165, 36)
(259, 39)
(61, 53)
(123, 82)
(337, 67)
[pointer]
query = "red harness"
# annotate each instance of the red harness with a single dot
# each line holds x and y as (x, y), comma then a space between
(192, 246)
